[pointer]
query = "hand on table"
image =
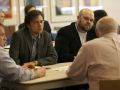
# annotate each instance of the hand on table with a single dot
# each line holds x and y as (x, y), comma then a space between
(30, 65)
(40, 72)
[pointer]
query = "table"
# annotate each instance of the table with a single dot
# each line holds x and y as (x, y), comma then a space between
(55, 78)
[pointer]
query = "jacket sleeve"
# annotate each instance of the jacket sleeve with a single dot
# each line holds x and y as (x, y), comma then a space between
(14, 48)
(50, 56)
(62, 43)
(11, 72)
(79, 68)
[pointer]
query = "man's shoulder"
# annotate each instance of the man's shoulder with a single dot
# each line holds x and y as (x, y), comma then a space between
(93, 42)
(67, 29)
(3, 52)
(69, 26)
(21, 31)
(45, 34)
(20, 34)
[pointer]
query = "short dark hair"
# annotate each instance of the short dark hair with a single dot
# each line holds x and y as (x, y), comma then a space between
(28, 7)
(31, 15)
(98, 14)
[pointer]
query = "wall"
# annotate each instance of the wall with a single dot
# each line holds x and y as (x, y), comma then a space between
(14, 20)
(112, 7)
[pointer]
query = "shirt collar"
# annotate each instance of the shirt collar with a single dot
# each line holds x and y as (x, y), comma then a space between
(37, 37)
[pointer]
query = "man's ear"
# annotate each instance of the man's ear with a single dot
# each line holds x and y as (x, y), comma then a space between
(98, 34)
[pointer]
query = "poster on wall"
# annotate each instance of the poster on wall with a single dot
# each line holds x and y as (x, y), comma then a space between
(37, 3)
(63, 10)
(91, 4)
(6, 6)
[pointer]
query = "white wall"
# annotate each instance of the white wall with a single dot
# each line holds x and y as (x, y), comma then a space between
(14, 20)
(113, 8)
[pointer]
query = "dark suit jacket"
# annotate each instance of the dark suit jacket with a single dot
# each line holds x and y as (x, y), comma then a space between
(21, 48)
(67, 42)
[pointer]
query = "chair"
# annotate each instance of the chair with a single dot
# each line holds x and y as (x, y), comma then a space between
(109, 85)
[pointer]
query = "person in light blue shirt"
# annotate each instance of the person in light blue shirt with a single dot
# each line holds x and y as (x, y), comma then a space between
(10, 71)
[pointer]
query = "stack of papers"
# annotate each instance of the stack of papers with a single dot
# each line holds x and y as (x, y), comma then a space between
(64, 68)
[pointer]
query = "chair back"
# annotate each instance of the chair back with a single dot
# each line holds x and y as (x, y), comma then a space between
(109, 85)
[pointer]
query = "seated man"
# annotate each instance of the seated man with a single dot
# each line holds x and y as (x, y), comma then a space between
(33, 44)
(9, 70)
(99, 59)
(70, 38)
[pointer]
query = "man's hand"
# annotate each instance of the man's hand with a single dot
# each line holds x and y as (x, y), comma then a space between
(40, 72)
(30, 65)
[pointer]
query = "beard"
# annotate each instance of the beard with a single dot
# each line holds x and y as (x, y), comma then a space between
(83, 27)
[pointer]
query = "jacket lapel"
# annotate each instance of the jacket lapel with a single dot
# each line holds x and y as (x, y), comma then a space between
(28, 40)
(40, 45)
(75, 34)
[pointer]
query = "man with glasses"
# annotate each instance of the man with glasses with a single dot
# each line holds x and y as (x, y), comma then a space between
(32, 44)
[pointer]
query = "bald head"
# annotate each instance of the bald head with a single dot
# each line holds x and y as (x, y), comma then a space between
(106, 25)
(85, 20)
(86, 11)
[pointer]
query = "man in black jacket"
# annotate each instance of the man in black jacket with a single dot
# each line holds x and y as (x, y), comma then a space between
(70, 38)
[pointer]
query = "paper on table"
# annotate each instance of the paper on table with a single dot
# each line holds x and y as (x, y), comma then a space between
(64, 68)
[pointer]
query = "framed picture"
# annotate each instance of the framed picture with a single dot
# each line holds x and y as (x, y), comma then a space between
(40, 5)
(37, 3)
(11, 11)
(63, 10)
(91, 4)
(6, 6)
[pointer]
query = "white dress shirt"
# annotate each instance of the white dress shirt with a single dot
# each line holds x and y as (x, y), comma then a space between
(82, 35)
